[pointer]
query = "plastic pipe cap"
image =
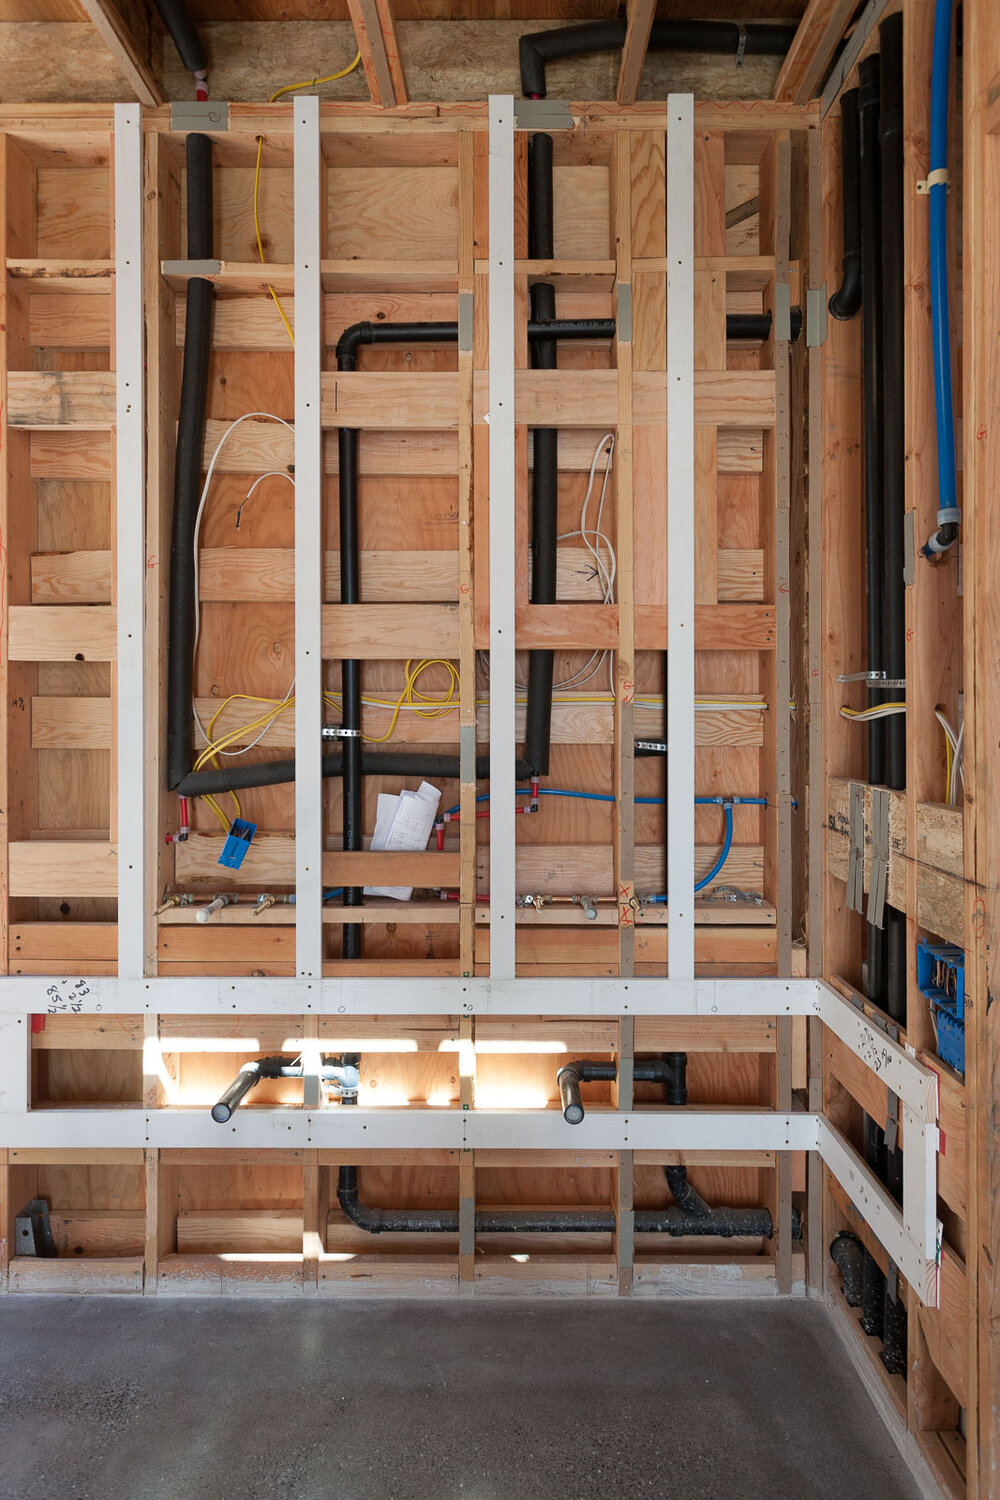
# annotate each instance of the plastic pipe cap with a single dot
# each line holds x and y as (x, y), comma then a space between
(221, 1113)
(573, 1114)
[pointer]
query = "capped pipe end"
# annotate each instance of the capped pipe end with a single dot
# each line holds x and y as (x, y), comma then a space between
(221, 1113)
(573, 1114)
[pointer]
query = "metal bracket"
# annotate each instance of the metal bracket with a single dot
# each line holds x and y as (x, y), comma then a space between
(190, 115)
(657, 747)
(624, 310)
(33, 1231)
(337, 732)
(856, 847)
(467, 752)
(878, 884)
(782, 312)
(542, 114)
(465, 321)
(741, 46)
(192, 267)
(816, 323)
(873, 679)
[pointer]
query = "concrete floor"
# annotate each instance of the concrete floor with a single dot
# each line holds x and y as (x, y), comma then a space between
(123, 1399)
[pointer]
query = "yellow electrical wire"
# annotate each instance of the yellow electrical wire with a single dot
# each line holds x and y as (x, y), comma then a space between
(309, 83)
(260, 248)
(879, 710)
(424, 704)
(289, 88)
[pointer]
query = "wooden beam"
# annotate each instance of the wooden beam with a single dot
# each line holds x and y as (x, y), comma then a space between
(133, 40)
(640, 23)
(809, 56)
(375, 30)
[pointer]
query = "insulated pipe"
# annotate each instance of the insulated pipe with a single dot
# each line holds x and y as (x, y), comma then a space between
(872, 396)
(893, 455)
(846, 300)
(184, 33)
(188, 465)
(848, 1255)
(716, 37)
(723, 1223)
(873, 1280)
(894, 1332)
(373, 763)
(545, 466)
(342, 1072)
(756, 327)
(949, 514)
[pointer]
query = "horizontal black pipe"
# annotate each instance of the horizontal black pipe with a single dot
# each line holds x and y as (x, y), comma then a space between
(190, 47)
(188, 465)
(757, 326)
(721, 1223)
(373, 763)
(360, 334)
(716, 37)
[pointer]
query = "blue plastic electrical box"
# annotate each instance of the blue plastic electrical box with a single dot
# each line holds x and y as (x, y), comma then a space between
(941, 978)
(238, 842)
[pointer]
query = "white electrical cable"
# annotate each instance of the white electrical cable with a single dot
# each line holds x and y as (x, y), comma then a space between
(957, 743)
(266, 416)
(606, 571)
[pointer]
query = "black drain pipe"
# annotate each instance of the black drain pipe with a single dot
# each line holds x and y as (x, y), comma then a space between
(545, 470)
(351, 340)
(188, 464)
(716, 37)
(846, 300)
(894, 492)
(848, 1255)
(675, 1220)
(893, 456)
(871, 387)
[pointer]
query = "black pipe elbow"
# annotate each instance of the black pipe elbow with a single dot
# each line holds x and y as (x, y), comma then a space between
(846, 300)
(569, 1079)
(350, 342)
(687, 1198)
(848, 1255)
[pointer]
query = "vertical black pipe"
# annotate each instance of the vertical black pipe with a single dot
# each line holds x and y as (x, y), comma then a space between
(188, 464)
(350, 671)
(871, 389)
(545, 470)
(873, 1280)
(894, 453)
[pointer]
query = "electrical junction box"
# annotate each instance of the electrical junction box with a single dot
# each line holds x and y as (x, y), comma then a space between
(941, 978)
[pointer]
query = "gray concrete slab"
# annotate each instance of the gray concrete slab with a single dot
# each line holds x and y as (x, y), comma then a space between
(130, 1399)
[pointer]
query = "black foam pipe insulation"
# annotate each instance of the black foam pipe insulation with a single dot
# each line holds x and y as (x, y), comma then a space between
(893, 456)
(675, 1220)
(373, 763)
(848, 1255)
(184, 34)
(545, 465)
(873, 1279)
(720, 38)
(894, 1334)
(188, 464)
(846, 300)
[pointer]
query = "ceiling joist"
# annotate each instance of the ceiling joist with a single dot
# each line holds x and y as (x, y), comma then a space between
(811, 53)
